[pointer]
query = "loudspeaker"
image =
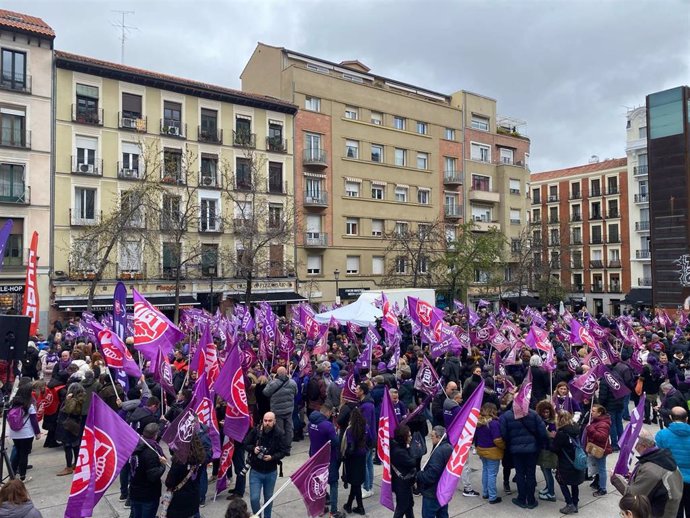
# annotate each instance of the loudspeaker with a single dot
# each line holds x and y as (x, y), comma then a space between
(14, 336)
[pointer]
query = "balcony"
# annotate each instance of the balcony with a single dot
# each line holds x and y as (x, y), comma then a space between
(613, 239)
(453, 211)
(174, 178)
(315, 240)
(555, 265)
(576, 240)
(514, 191)
(17, 195)
(577, 288)
(595, 192)
(575, 195)
(612, 190)
(314, 157)
(485, 226)
(640, 170)
(596, 241)
(577, 265)
(87, 169)
(596, 263)
(80, 218)
(576, 217)
(211, 225)
(16, 83)
(171, 272)
(536, 200)
(642, 226)
(554, 242)
(241, 225)
(133, 122)
(127, 272)
(597, 288)
(642, 198)
(209, 135)
(243, 183)
(553, 220)
(552, 198)
(209, 180)
(126, 173)
(644, 281)
(615, 264)
(277, 187)
(615, 288)
(15, 139)
(172, 223)
(277, 144)
(315, 199)
(613, 214)
(93, 117)
(173, 128)
(536, 242)
(244, 139)
(596, 215)
(484, 195)
(452, 177)
(643, 254)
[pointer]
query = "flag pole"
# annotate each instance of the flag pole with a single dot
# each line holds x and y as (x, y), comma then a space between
(432, 451)
(270, 500)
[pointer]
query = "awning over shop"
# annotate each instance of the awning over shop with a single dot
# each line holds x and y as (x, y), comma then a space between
(106, 303)
(639, 297)
(276, 297)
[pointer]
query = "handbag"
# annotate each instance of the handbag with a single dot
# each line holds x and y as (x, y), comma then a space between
(638, 386)
(547, 459)
(72, 426)
(417, 446)
(595, 451)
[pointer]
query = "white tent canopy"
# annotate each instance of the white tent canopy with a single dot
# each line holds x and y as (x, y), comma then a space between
(362, 312)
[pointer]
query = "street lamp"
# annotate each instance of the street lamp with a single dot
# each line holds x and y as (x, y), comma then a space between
(211, 273)
(336, 275)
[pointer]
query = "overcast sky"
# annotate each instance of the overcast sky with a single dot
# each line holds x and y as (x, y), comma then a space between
(570, 69)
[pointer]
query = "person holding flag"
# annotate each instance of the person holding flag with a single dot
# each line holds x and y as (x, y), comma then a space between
(147, 466)
(428, 477)
(321, 431)
(403, 472)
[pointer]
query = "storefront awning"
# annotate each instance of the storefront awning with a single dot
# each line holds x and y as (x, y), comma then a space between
(276, 297)
(106, 303)
(639, 297)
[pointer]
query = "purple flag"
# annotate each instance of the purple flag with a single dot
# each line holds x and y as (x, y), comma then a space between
(472, 316)
(537, 338)
(230, 386)
(387, 425)
(618, 388)
(427, 380)
(202, 403)
(628, 439)
(584, 386)
(120, 310)
(460, 435)
(421, 311)
(152, 329)
(349, 392)
(523, 397)
(459, 306)
(370, 340)
(311, 480)
(579, 334)
(389, 322)
(116, 354)
(224, 465)
(483, 304)
(394, 342)
(162, 372)
(4, 238)
(106, 444)
(178, 435)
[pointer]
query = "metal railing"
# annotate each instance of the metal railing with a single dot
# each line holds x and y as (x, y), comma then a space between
(276, 144)
(453, 177)
(80, 219)
(316, 239)
(315, 157)
(133, 123)
(316, 198)
(612, 190)
(596, 263)
(615, 264)
(172, 223)
(643, 254)
(576, 217)
(213, 136)
(87, 116)
(642, 225)
(22, 197)
(640, 170)
(173, 128)
(209, 180)
(277, 187)
(174, 177)
(552, 198)
(211, 225)
(644, 281)
(85, 168)
(575, 195)
(642, 198)
(244, 139)
(452, 211)
(126, 173)
(125, 274)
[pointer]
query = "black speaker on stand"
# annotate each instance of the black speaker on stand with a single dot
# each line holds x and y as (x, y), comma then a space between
(14, 337)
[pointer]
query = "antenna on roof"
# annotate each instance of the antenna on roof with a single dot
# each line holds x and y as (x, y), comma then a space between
(124, 28)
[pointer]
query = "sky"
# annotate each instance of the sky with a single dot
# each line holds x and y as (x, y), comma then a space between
(569, 69)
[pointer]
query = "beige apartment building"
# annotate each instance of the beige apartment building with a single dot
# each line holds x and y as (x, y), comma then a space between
(221, 157)
(372, 156)
(26, 85)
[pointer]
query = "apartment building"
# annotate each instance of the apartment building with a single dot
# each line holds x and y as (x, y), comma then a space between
(581, 232)
(668, 149)
(26, 84)
(373, 156)
(638, 179)
(116, 126)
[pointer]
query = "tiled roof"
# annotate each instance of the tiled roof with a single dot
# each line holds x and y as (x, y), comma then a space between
(612, 163)
(25, 23)
(75, 58)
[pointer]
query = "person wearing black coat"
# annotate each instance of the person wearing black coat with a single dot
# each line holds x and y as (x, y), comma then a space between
(403, 472)
(183, 482)
(672, 397)
(147, 468)
(540, 381)
(568, 477)
(428, 478)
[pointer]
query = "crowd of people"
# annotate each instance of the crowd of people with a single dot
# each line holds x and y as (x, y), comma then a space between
(289, 403)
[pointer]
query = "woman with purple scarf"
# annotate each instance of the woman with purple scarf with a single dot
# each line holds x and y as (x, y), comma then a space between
(562, 400)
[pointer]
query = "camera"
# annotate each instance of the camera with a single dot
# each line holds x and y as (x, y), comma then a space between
(262, 451)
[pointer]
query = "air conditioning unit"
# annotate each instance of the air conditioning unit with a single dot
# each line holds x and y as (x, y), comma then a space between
(129, 173)
(129, 123)
(86, 168)
(174, 130)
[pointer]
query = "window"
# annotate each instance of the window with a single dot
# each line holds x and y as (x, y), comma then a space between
(642, 132)
(209, 215)
(480, 152)
(377, 153)
(130, 256)
(275, 216)
(614, 236)
(553, 214)
(481, 276)
(481, 183)
(172, 166)
(400, 265)
(377, 227)
(595, 212)
(87, 104)
(352, 189)
(84, 204)
(171, 217)
(451, 234)
(613, 209)
(275, 178)
(377, 118)
(536, 195)
(14, 249)
(131, 209)
(352, 226)
(400, 157)
(275, 141)
(313, 264)
(422, 160)
(399, 122)
(452, 207)
(614, 256)
(171, 258)
(514, 186)
(314, 190)
(13, 126)
(377, 191)
(208, 131)
(243, 132)
(12, 188)
(480, 123)
(244, 210)
(423, 264)
(422, 128)
(352, 265)
(481, 213)
(172, 116)
(131, 109)
(577, 213)
(554, 237)
(575, 191)
(13, 70)
(209, 171)
(595, 188)
(130, 160)
(86, 155)
(312, 104)
(401, 228)
(313, 146)
(314, 229)
(449, 134)
(401, 194)
(506, 156)
(209, 260)
(596, 234)
(577, 236)
(352, 149)
(612, 183)
(351, 113)
(515, 246)
(536, 215)
(243, 174)
(515, 216)
(423, 196)
(377, 265)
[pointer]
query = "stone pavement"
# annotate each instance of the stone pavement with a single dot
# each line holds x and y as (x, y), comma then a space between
(49, 493)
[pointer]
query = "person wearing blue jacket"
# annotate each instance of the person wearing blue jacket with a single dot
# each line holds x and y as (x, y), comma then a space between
(676, 438)
(321, 430)
(524, 438)
(428, 478)
(366, 406)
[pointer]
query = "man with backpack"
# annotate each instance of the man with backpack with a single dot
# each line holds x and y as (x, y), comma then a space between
(146, 465)
(282, 391)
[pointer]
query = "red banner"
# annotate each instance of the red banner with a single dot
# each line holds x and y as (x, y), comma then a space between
(30, 308)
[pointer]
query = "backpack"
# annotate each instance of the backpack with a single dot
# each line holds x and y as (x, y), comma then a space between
(580, 460)
(313, 390)
(15, 418)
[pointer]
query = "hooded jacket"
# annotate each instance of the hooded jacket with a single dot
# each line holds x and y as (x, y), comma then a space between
(321, 430)
(451, 369)
(597, 432)
(676, 438)
(366, 406)
(282, 391)
(526, 435)
(25, 510)
(145, 480)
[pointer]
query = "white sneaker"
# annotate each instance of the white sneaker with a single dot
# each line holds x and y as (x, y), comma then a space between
(367, 494)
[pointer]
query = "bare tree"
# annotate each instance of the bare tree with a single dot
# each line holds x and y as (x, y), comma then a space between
(520, 260)
(261, 228)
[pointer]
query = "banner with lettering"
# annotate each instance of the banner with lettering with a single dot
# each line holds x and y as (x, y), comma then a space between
(31, 302)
